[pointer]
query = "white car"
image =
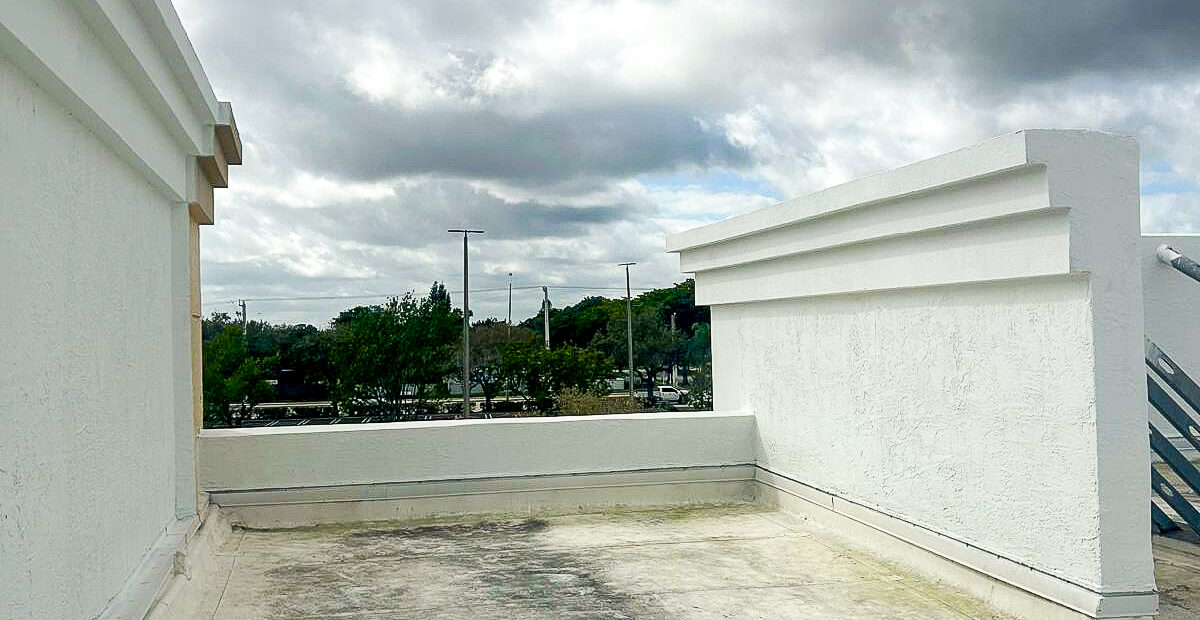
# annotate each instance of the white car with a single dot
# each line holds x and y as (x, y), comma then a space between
(664, 393)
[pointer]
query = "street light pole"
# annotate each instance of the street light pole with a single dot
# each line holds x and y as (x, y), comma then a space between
(466, 376)
(674, 367)
(508, 334)
(629, 329)
(546, 315)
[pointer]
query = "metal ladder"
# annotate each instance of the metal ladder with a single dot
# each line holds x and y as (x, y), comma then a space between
(1164, 401)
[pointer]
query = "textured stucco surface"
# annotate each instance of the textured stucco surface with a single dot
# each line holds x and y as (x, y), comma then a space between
(955, 343)
(282, 457)
(931, 405)
(87, 451)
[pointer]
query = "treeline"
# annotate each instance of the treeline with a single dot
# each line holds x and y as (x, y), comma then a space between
(393, 360)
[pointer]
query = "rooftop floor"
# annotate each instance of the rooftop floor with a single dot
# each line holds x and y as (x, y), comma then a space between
(1177, 573)
(720, 562)
(735, 561)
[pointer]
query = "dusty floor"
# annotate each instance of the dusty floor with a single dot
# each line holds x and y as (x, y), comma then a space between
(727, 562)
(1177, 572)
(719, 562)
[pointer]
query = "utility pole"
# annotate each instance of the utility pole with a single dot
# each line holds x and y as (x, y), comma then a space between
(629, 331)
(674, 367)
(508, 335)
(466, 376)
(546, 315)
(245, 334)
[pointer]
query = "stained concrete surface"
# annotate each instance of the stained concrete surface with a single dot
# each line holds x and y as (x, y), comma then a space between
(1177, 573)
(1177, 558)
(717, 562)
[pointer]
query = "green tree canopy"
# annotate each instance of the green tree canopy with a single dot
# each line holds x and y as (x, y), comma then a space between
(488, 338)
(577, 325)
(679, 300)
(655, 348)
(541, 374)
(234, 382)
(389, 359)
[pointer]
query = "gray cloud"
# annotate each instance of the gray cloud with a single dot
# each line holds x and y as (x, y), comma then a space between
(372, 142)
(419, 216)
(373, 126)
(1047, 40)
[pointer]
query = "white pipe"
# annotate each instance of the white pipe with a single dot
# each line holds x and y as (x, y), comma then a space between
(1168, 254)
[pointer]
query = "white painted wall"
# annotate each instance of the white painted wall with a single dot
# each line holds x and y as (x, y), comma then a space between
(311, 456)
(85, 318)
(99, 120)
(1172, 301)
(957, 344)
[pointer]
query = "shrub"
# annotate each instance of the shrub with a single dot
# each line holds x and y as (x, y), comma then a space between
(700, 396)
(573, 401)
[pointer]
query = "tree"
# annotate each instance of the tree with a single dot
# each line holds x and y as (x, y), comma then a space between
(701, 394)
(655, 348)
(541, 375)
(697, 349)
(433, 334)
(233, 379)
(679, 300)
(577, 325)
(215, 324)
(488, 338)
(389, 359)
(304, 369)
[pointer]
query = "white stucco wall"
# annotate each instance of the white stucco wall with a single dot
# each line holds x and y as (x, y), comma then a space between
(931, 405)
(88, 380)
(955, 344)
(312, 456)
(101, 120)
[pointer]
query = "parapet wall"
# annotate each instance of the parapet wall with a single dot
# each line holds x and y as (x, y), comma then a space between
(955, 345)
(303, 475)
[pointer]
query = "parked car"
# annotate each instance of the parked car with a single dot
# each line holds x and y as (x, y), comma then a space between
(664, 393)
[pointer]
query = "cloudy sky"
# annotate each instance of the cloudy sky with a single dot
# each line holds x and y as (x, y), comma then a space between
(578, 133)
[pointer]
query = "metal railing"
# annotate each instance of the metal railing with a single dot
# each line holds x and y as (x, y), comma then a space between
(1176, 259)
(1164, 401)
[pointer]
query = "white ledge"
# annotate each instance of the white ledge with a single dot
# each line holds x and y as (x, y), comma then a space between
(409, 426)
(1004, 209)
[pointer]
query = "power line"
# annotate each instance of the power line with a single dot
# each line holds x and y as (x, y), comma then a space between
(386, 295)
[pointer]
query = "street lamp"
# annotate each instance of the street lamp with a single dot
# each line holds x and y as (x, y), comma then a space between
(466, 376)
(629, 329)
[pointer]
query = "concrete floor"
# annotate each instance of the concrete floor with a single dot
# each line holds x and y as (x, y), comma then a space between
(1177, 573)
(719, 562)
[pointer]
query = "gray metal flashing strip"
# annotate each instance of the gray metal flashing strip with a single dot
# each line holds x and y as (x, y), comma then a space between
(1037, 582)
